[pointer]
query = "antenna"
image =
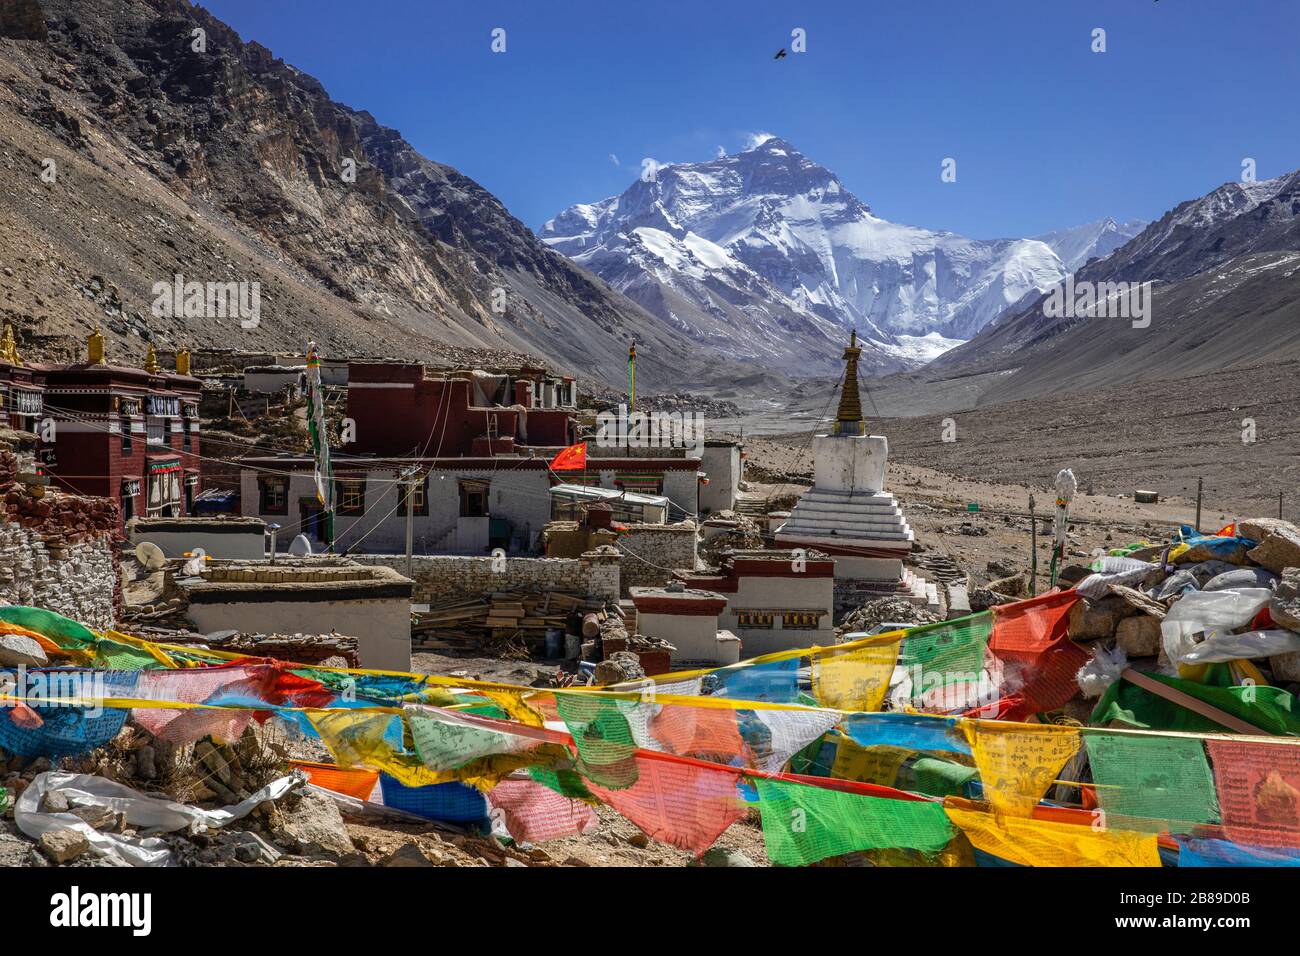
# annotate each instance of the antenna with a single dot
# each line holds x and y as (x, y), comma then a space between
(150, 555)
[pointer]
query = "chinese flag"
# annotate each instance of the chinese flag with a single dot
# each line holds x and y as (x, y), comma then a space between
(572, 458)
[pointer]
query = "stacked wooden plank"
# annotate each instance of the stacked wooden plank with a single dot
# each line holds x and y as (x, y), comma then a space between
(465, 624)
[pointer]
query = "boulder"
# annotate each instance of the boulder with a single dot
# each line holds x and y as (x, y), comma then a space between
(19, 651)
(1279, 551)
(1257, 529)
(244, 846)
(619, 667)
(313, 825)
(1241, 578)
(1286, 667)
(1016, 585)
(981, 599)
(1095, 620)
(725, 856)
(1139, 601)
(15, 849)
(1072, 574)
(1139, 636)
(63, 846)
(1002, 567)
(408, 854)
(1285, 606)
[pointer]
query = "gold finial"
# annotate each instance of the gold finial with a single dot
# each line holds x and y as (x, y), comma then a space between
(183, 362)
(848, 420)
(151, 360)
(95, 348)
(9, 347)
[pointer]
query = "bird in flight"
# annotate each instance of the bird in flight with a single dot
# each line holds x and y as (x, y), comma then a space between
(780, 54)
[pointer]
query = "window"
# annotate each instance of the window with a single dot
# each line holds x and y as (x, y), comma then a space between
(800, 620)
(128, 507)
(352, 496)
(126, 436)
(156, 431)
(274, 496)
(473, 499)
(754, 618)
(185, 435)
(639, 482)
(419, 500)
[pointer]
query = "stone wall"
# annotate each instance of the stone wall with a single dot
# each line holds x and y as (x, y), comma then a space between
(58, 551)
(440, 577)
(651, 552)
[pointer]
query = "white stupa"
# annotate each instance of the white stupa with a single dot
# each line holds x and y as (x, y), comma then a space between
(847, 513)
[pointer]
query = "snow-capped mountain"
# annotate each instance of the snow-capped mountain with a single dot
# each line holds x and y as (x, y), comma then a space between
(1233, 220)
(1093, 240)
(771, 234)
(1224, 270)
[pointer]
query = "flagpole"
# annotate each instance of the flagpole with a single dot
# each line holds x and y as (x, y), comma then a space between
(631, 377)
(324, 476)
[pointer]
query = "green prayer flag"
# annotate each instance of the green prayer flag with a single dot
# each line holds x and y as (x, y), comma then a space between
(804, 824)
(1152, 783)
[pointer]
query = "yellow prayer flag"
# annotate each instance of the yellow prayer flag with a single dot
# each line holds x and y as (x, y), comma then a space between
(854, 680)
(878, 764)
(1018, 762)
(1032, 842)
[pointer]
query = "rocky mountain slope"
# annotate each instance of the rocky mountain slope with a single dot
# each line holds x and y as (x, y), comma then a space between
(1225, 274)
(773, 236)
(178, 152)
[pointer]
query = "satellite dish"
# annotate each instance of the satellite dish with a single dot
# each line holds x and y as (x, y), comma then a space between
(150, 555)
(300, 547)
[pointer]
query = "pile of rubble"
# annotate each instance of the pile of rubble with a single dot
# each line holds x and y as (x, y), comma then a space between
(886, 610)
(1229, 596)
(738, 532)
(97, 810)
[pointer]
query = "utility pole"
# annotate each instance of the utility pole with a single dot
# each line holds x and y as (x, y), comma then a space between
(408, 482)
(1033, 548)
(1198, 505)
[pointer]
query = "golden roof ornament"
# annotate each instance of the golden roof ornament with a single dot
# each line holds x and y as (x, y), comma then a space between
(151, 360)
(9, 347)
(95, 348)
(848, 420)
(183, 362)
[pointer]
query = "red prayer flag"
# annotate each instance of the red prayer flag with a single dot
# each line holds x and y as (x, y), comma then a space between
(572, 458)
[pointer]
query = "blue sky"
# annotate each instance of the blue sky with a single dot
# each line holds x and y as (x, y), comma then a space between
(1046, 133)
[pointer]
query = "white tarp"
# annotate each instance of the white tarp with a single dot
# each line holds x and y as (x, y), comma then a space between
(142, 813)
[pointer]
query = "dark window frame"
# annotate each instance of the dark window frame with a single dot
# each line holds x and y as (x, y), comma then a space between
(264, 483)
(471, 492)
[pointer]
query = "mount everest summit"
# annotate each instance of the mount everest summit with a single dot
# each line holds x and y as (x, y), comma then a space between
(766, 254)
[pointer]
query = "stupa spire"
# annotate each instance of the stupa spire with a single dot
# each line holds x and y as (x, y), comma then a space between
(848, 420)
